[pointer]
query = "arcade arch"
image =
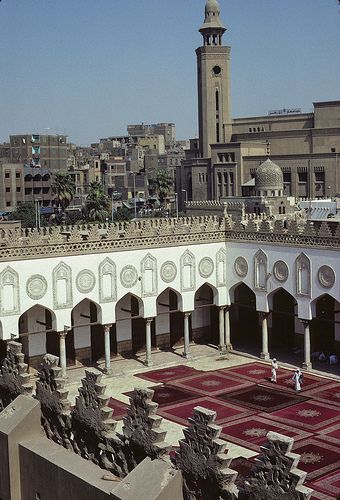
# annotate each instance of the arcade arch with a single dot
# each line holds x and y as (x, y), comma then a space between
(37, 334)
(169, 320)
(325, 326)
(131, 325)
(205, 317)
(245, 329)
(85, 340)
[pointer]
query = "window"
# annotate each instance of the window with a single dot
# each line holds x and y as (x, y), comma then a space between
(18, 189)
(17, 175)
(8, 203)
(7, 175)
(302, 176)
(8, 190)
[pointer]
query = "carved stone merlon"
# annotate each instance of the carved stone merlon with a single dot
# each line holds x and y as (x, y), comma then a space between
(203, 461)
(14, 377)
(275, 474)
(55, 407)
(142, 426)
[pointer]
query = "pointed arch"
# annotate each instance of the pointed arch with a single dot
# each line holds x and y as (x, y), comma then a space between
(188, 277)
(62, 286)
(9, 292)
(148, 268)
(260, 271)
(303, 276)
(206, 294)
(221, 267)
(107, 281)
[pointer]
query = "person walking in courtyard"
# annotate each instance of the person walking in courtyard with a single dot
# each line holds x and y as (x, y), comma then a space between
(298, 379)
(275, 367)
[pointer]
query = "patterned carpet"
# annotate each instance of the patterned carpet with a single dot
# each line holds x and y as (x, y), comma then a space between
(309, 415)
(262, 398)
(211, 383)
(119, 408)
(250, 432)
(166, 374)
(168, 395)
(180, 412)
(248, 405)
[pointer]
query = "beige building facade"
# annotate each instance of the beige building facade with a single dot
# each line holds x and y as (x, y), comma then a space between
(305, 145)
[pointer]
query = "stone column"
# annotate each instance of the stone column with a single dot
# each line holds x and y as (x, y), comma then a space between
(264, 322)
(107, 368)
(222, 346)
(227, 328)
(186, 353)
(307, 365)
(62, 352)
(148, 361)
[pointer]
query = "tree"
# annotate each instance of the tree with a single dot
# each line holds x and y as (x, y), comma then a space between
(97, 203)
(26, 212)
(63, 189)
(122, 215)
(162, 184)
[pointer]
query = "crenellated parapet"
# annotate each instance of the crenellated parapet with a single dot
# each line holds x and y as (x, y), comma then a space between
(20, 244)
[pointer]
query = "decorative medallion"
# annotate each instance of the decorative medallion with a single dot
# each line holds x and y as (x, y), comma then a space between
(262, 397)
(168, 271)
(128, 276)
(211, 383)
(257, 371)
(36, 286)
(281, 271)
(255, 432)
(206, 267)
(308, 413)
(326, 276)
(241, 267)
(85, 281)
(310, 458)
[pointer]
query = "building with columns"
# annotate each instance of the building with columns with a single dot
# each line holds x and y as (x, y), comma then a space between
(223, 161)
(263, 286)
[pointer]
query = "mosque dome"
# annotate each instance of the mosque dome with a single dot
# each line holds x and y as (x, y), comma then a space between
(269, 179)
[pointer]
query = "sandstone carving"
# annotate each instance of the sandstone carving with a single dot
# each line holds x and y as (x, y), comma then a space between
(14, 378)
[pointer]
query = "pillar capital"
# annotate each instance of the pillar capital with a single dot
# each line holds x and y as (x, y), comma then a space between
(149, 320)
(305, 322)
(187, 313)
(263, 315)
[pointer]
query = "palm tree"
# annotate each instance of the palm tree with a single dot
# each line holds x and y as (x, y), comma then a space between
(97, 203)
(63, 189)
(162, 184)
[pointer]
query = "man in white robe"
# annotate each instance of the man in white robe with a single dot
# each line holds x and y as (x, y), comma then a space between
(275, 366)
(297, 378)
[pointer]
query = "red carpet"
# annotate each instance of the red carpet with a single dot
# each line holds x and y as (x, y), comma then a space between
(119, 408)
(251, 432)
(309, 415)
(225, 412)
(255, 372)
(167, 395)
(317, 458)
(243, 467)
(262, 398)
(309, 381)
(211, 383)
(329, 393)
(166, 374)
(331, 434)
(328, 485)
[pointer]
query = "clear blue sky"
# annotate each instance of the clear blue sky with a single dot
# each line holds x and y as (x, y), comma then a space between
(89, 67)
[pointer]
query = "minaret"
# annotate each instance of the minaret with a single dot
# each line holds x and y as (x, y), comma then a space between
(213, 76)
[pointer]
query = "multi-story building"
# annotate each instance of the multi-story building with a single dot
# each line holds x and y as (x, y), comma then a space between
(36, 150)
(223, 161)
(167, 130)
(12, 189)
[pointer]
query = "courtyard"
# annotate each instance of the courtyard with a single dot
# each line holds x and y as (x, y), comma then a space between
(247, 405)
